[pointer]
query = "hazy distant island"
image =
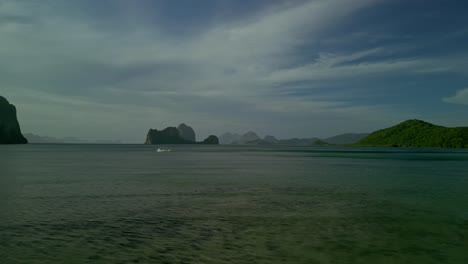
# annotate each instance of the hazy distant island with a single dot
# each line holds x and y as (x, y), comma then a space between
(417, 133)
(183, 134)
(10, 131)
(39, 139)
(251, 138)
(411, 133)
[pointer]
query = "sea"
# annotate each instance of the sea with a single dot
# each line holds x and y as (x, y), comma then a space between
(232, 204)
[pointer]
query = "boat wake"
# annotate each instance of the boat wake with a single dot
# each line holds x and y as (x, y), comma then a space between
(163, 150)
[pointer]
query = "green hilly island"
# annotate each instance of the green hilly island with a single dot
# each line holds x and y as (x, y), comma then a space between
(417, 133)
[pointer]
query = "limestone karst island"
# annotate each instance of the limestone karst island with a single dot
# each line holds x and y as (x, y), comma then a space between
(10, 131)
(182, 134)
(411, 133)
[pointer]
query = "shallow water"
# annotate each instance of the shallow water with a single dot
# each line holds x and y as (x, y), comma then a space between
(240, 204)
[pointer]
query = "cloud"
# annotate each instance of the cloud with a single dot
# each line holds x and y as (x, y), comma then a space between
(460, 97)
(231, 59)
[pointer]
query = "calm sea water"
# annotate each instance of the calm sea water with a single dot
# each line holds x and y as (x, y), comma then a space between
(218, 204)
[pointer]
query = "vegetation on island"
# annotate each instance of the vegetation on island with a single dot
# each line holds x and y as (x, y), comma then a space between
(417, 133)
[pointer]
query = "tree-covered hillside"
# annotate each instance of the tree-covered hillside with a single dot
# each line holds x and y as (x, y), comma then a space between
(417, 133)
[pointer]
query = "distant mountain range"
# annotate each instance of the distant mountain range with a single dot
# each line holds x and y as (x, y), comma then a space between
(230, 138)
(410, 133)
(418, 133)
(345, 139)
(251, 138)
(36, 139)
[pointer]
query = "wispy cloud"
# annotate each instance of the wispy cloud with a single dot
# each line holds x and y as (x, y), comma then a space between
(460, 97)
(230, 59)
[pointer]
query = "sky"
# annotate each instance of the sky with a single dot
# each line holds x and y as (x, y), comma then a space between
(112, 69)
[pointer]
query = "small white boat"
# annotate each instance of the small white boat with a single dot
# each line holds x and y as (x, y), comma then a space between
(163, 150)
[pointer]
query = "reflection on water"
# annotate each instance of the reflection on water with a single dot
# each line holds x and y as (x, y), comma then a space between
(215, 204)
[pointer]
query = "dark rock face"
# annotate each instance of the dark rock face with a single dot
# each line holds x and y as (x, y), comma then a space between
(186, 132)
(172, 135)
(10, 131)
(169, 135)
(211, 140)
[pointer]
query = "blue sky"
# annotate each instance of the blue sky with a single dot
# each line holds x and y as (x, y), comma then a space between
(112, 69)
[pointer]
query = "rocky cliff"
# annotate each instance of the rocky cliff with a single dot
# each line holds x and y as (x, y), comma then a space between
(10, 131)
(169, 135)
(186, 132)
(173, 135)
